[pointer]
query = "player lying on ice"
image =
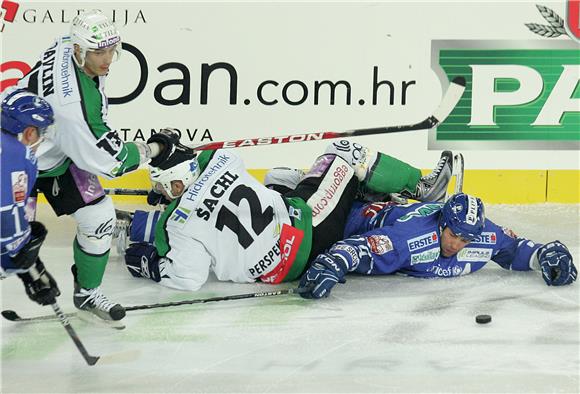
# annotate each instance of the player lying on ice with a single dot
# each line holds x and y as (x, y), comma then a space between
(25, 118)
(224, 220)
(431, 240)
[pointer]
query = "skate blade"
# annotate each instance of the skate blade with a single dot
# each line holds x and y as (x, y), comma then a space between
(458, 170)
(91, 318)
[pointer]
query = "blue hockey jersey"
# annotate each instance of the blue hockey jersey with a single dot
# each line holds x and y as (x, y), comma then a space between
(17, 177)
(383, 238)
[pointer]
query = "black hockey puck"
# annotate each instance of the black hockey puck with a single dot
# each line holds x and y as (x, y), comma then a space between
(483, 319)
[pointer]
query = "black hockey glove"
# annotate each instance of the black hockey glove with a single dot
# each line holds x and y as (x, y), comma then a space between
(29, 252)
(556, 264)
(326, 271)
(142, 261)
(154, 199)
(173, 152)
(40, 286)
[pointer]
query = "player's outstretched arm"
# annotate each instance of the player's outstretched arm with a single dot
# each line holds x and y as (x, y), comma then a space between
(330, 268)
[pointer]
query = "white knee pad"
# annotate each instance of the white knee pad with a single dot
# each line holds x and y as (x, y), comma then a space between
(95, 225)
(360, 158)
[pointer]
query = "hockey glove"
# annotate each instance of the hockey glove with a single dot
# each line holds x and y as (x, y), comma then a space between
(142, 261)
(29, 252)
(40, 286)
(154, 199)
(556, 264)
(173, 151)
(321, 277)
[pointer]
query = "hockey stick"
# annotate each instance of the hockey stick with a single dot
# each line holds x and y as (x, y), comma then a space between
(214, 299)
(449, 101)
(127, 192)
(91, 360)
(15, 317)
(114, 358)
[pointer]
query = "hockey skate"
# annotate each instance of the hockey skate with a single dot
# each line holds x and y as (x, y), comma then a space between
(122, 230)
(433, 186)
(94, 306)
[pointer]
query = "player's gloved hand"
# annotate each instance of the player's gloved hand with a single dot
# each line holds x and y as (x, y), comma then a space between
(154, 198)
(40, 286)
(321, 277)
(142, 261)
(29, 252)
(173, 150)
(556, 264)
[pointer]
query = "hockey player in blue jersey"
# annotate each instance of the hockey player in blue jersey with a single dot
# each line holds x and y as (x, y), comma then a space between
(25, 118)
(431, 240)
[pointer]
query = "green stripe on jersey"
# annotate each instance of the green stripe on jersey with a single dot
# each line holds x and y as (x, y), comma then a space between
(303, 223)
(57, 171)
(91, 104)
(161, 237)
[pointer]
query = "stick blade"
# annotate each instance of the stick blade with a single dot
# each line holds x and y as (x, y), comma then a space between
(450, 100)
(120, 357)
(10, 315)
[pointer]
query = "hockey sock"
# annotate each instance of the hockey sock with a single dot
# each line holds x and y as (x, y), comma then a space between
(90, 268)
(390, 175)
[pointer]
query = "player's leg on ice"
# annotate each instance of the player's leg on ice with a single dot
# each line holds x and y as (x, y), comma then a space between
(95, 224)
(381, 174)
(79, 194)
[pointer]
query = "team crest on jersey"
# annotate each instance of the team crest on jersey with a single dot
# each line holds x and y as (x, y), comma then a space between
(487, 238)
(423, 241)
(380, 244)
(19, 186)
(180, 215)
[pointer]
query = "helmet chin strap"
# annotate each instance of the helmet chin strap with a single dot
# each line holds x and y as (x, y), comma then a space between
(37, 143)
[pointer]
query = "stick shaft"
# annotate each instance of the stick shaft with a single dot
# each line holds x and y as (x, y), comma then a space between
(91, 360)
(212, 299)
(316, 136)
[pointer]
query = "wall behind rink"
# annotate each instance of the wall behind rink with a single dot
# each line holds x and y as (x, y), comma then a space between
(222, 71)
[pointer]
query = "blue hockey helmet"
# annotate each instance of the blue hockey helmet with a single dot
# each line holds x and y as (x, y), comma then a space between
(464, 215)
(21, 109)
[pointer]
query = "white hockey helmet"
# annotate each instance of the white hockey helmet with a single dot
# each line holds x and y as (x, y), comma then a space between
(183, 167)
(91, 31)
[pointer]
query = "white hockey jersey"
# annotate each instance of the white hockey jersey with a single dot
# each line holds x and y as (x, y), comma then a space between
(80, 132)
(226, 221)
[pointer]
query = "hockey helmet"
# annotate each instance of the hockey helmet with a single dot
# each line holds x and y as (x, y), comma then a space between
(181, 165)
(464, 215)
(21, 109)
(92, 31)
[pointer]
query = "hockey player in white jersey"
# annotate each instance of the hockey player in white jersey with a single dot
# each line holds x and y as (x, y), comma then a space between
(70, 75)
(222, 219)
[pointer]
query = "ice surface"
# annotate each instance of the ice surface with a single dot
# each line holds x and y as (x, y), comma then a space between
(381, 334)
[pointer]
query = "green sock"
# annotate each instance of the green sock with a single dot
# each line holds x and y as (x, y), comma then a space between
(90, 267)
(390, 175)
